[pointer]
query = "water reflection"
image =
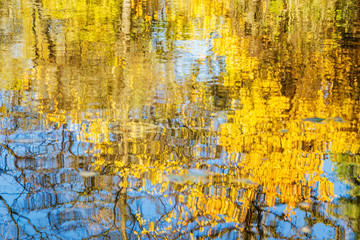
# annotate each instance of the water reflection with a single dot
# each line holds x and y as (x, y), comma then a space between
(158, 119)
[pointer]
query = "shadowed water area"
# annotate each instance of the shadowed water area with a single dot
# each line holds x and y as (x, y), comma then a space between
(180, 119)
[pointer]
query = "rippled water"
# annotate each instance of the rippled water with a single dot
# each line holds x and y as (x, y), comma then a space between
(179, 119)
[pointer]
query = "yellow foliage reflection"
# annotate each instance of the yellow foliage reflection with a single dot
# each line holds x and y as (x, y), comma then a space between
(211, 114)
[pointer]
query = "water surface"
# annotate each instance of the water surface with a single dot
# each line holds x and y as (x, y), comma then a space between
(179, 119)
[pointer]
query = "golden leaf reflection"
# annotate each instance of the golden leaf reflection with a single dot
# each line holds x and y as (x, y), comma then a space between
(180, 119)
